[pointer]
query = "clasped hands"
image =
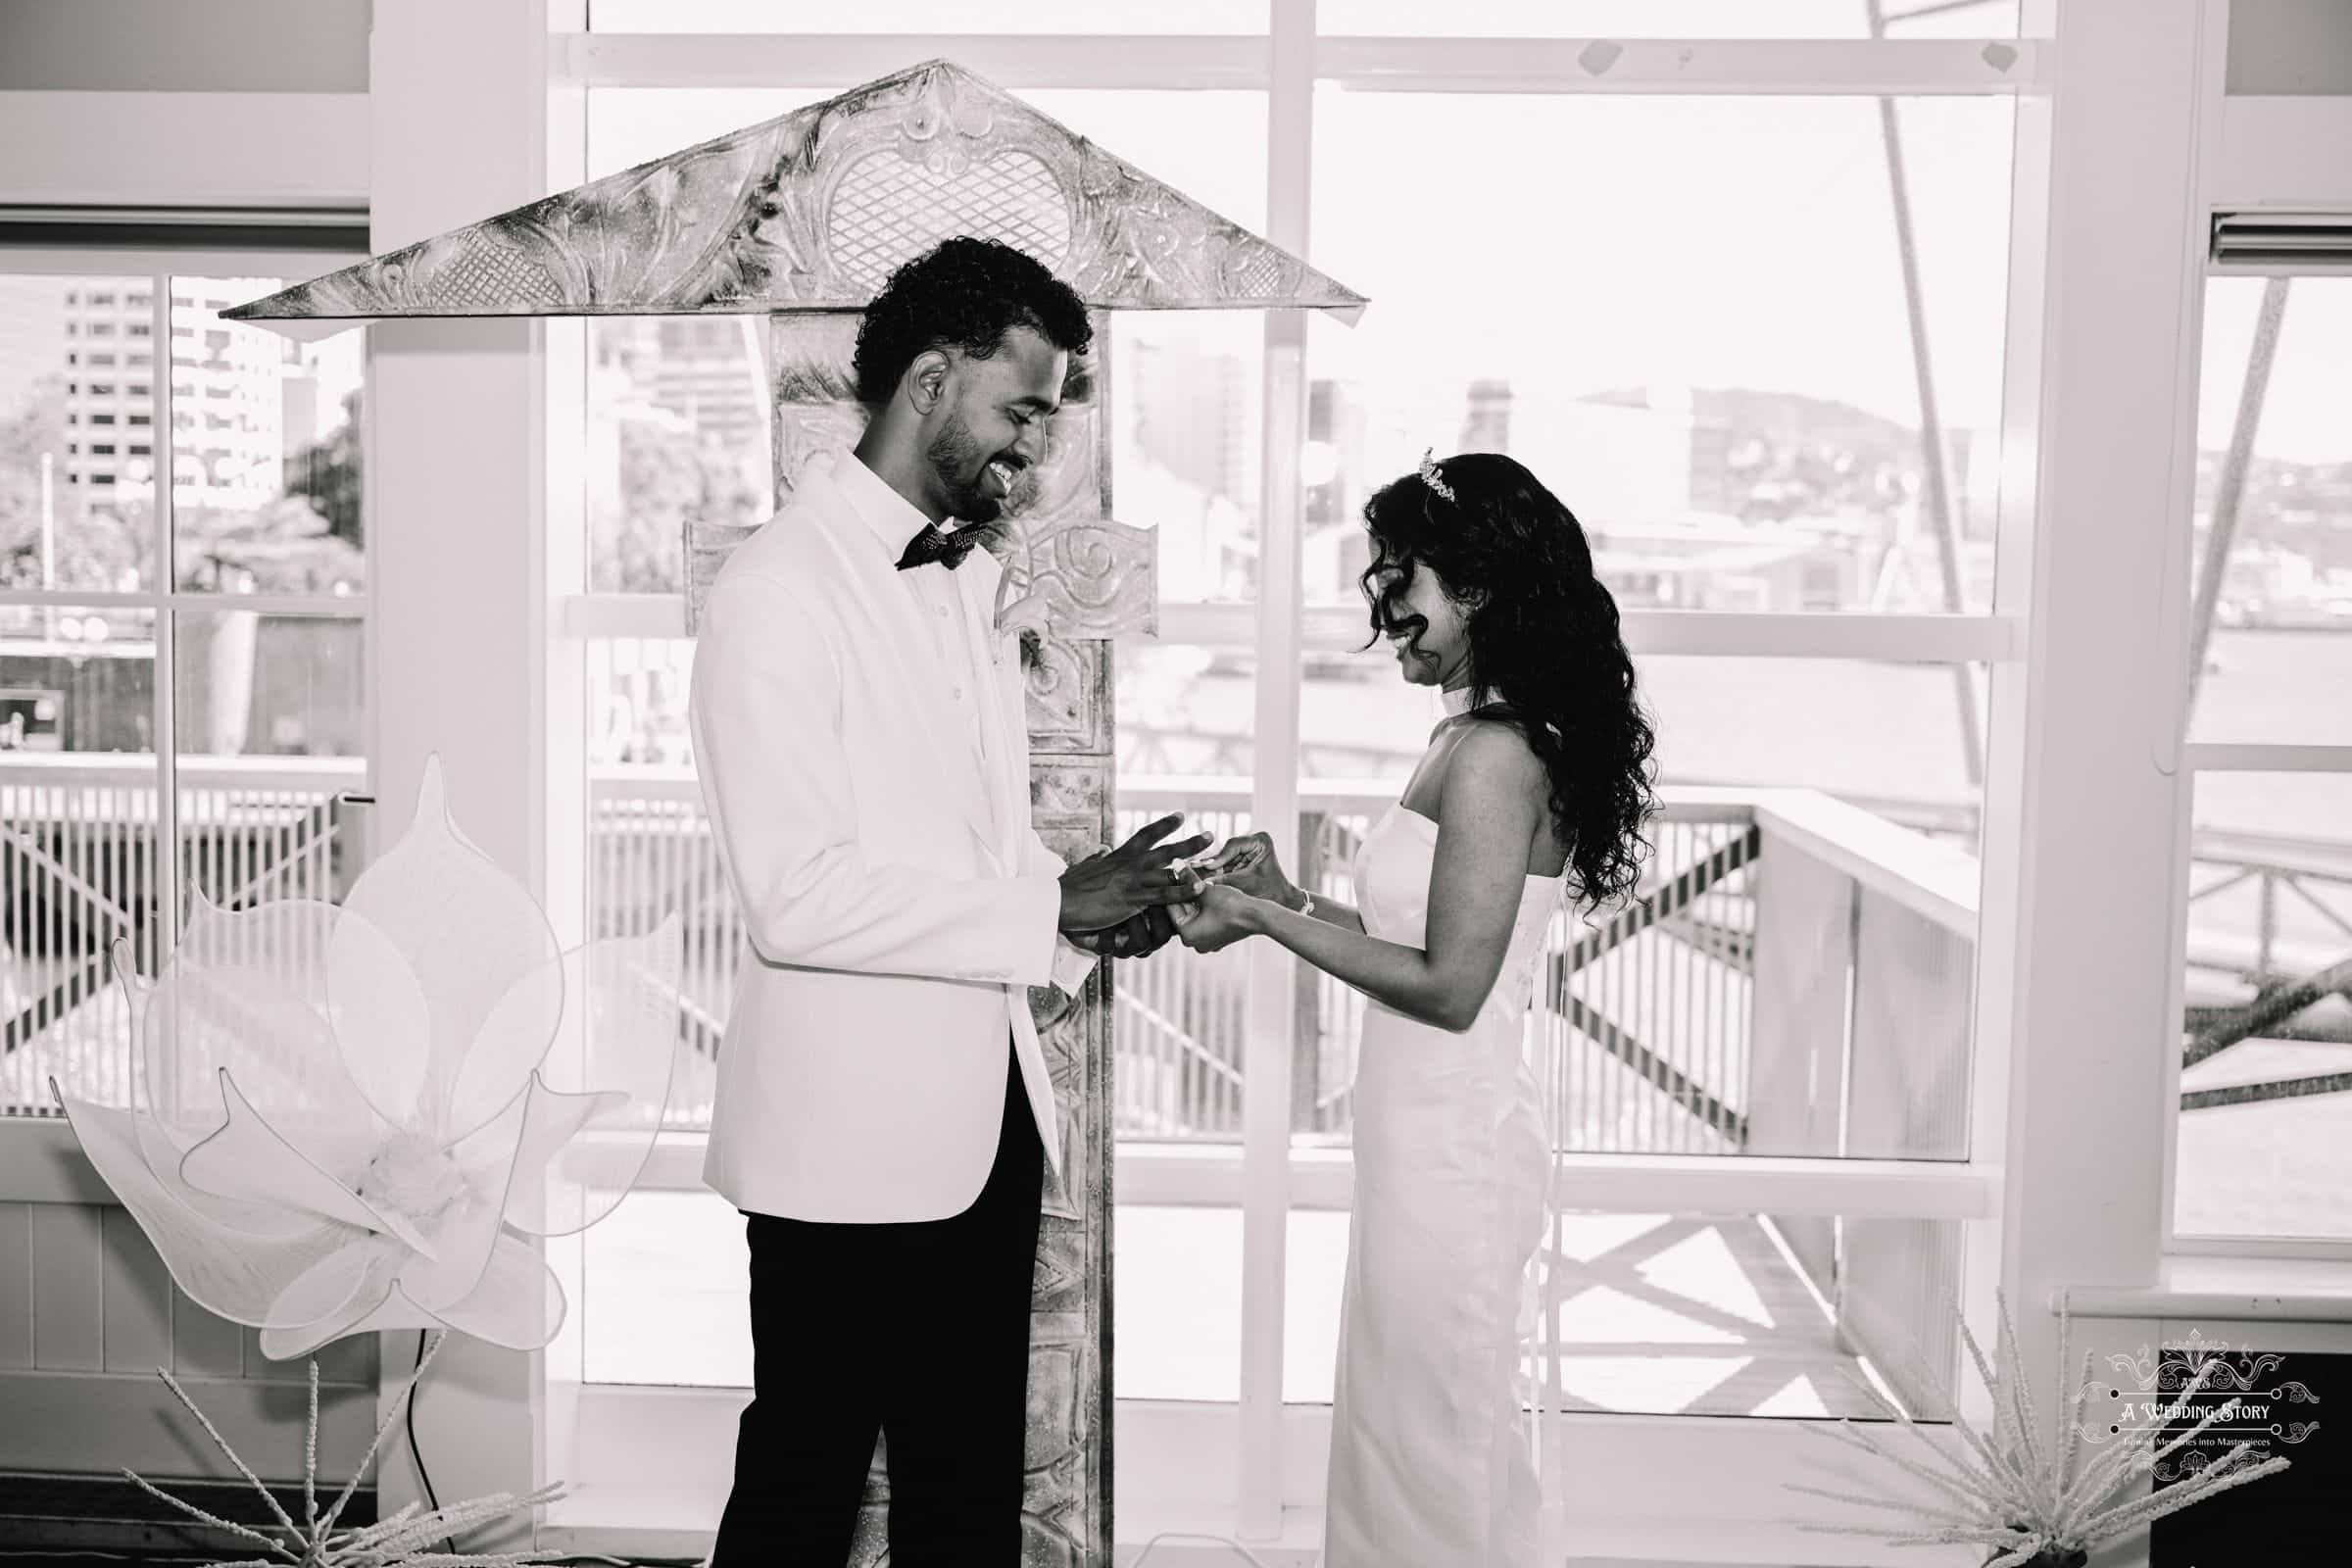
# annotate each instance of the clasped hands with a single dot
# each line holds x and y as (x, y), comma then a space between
(1126, 902)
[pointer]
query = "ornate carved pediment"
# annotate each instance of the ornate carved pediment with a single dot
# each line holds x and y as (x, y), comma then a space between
(812, 211)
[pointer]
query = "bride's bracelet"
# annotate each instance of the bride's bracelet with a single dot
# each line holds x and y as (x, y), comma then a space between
(1308, 907)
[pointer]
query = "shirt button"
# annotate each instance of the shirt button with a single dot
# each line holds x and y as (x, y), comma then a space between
(942, 610)
(957, 692)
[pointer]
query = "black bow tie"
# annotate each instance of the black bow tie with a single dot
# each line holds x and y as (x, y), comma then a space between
(940, 545)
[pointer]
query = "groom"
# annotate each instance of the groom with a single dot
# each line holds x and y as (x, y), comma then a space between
(882, 1098)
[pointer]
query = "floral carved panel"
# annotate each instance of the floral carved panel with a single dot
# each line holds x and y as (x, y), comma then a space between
(813, 210)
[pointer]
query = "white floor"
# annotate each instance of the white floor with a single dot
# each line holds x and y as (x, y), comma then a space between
(650, 1470)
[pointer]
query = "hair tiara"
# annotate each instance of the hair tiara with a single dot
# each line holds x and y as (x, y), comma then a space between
(1428, 472)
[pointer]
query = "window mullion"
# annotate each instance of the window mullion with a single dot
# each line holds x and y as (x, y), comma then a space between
(167, 628)
(1274, 792)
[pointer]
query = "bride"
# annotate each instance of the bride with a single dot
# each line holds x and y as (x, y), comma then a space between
(1534, 790)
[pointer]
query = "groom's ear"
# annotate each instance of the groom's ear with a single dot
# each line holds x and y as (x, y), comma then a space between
(927, 380)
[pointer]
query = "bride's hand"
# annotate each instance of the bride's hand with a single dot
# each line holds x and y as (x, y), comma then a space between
(1248, 863)
(1220, 918)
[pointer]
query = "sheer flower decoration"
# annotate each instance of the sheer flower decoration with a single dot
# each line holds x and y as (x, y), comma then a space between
(354, 1119)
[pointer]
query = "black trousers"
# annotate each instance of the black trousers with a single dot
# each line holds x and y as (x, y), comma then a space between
(919, 1332)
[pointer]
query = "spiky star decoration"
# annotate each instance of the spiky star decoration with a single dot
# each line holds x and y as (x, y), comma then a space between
(2023, 1496)
(413, 1537)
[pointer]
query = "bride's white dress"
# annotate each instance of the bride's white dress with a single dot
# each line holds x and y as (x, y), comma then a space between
(1431, 1454)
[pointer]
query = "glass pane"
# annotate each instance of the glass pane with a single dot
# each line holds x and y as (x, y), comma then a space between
(650, 846)
(1793, 978)
(1658, 18)
(77, 432)
(669, 1275)
(1892, 738)
(1209, 145)
(1181, 1017)
(1657, 1314)
(677, 433)
(2266, 1086)
(2279, 650)
(926, 16)
(632, 126)
(1360, 723)
(1740, 437)
(270, 720)
(1752, 1314)
(78, 797)
(266, 461)
(1187, 388)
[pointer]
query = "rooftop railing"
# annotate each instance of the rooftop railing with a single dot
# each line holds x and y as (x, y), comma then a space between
(1792, 978)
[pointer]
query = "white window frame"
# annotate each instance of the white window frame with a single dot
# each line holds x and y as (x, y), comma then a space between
(1266, 1175)
(2196, 760)
(2077, 331)
(164, 601)
(2258, 152)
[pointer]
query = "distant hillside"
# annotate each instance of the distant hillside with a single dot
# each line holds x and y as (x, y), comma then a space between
(1790, 420)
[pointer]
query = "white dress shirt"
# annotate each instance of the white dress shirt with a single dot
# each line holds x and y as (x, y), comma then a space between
(895, 522)
(933, 587)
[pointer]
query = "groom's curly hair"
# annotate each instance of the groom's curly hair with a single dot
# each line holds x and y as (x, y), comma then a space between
(965, 293)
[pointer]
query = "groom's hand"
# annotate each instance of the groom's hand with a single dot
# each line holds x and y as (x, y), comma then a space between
(1138, 936)
(1142, 873)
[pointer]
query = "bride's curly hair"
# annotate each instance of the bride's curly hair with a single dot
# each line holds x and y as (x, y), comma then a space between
(1546, 653)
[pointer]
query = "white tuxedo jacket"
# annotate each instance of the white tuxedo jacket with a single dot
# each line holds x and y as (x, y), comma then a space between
(896, 900)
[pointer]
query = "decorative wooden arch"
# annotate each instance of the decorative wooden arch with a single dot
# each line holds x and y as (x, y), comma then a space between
(801, 219)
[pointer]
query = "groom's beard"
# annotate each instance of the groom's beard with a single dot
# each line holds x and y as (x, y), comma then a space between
(959, 462)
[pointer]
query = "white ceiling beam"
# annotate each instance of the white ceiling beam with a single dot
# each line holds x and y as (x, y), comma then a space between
(1900, 67)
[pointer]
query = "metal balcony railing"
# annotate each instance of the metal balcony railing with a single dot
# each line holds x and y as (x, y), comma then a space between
(80, 876)
(1793, 978)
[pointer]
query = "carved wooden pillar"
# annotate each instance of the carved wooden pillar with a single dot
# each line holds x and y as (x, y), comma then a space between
(1075, 564)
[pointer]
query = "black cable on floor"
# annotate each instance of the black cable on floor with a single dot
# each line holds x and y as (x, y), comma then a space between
(415, 1454)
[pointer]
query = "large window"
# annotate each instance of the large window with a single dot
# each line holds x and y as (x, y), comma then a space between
(1761, 381)
(1749, 322)
(182, 593)
(2266, 1078)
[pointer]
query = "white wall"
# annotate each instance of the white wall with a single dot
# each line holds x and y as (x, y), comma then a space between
(2287, 123)
(183, 103)
(2290, 48)
(183, 45)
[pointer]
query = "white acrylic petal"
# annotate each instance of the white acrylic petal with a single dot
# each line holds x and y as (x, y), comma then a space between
(245, 991)
(367, 1312)
(135, 986)
(518, 1304)
(465, 1230)
(507, 1049)
(621, 1039)
(163, 1147)
(467, 930)
(231, 1275)
(248, 1159)
(543, 1195)
(339, 1289)
(383, 1029)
